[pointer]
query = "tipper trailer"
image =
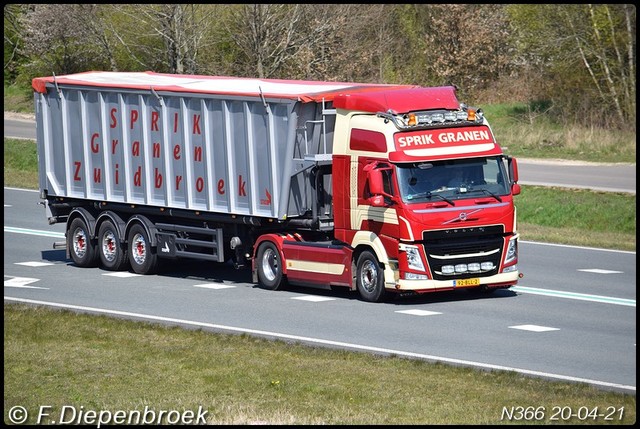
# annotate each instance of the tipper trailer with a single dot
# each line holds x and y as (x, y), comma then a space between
(375, 188)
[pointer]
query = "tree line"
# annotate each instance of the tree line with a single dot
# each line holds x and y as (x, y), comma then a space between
(575, 62)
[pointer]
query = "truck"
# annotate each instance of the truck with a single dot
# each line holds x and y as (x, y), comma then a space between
(382, 189)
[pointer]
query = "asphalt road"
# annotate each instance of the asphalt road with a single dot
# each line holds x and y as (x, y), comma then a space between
(569, 174)
(571, 318)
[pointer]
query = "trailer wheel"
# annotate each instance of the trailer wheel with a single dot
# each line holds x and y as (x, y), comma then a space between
(142, 257)
(269, 267)
(113, 256)
(369, 277)
(82, 250)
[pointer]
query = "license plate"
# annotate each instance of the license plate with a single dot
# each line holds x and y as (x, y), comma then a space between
(466, 282)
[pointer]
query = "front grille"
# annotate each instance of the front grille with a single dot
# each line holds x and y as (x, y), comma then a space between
(463, 246)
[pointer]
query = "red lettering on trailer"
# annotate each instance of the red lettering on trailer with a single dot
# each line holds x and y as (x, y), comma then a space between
(156, 150)
(97, 175)
(114, 120)
(158, 179)
(196, 124)
(95, 147)
(114, 143)
(267, 201)
(137, 177)
(197, 154)
(241, 191)
(134, 117)
(76, 175)
(221, 186)
(154, 121)
(176, 152)
(178, 180)
(199, 184)
(117, 174)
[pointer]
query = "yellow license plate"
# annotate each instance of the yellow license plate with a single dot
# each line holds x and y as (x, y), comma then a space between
(466, 282)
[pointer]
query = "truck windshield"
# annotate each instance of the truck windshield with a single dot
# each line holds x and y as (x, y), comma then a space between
(453, 179)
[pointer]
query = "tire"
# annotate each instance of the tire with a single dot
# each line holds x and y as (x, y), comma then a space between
(113, 255)
(142, 256)
(369, 278)
(81, 248)
(269, 266)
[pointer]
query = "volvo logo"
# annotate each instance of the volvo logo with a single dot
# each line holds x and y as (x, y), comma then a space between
(462, 217)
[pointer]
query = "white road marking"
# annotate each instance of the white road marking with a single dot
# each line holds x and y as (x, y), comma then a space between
(418, 312)
(122, 274)
(575, 295)
(534, 328)
(34, 264)
(22, 282)
(214, 286)
(313, 298)
(599, 271)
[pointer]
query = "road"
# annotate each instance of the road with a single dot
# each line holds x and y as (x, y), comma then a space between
(571, 318)
(569, 174)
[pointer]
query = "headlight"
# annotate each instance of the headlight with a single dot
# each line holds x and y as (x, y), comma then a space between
(512, 251)
(414, 260)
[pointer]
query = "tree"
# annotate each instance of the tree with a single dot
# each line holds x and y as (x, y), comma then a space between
(57, 38)
(164, 37)
(586, 56)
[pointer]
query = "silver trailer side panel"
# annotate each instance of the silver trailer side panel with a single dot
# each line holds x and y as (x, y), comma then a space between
(214, 153)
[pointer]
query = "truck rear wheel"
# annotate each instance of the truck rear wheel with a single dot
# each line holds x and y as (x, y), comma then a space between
(269, 267)
(369, 277)
(142, 257)
(81, 248)
(113, 256)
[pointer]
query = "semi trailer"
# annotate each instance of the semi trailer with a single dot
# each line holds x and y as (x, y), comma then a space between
(376, 188)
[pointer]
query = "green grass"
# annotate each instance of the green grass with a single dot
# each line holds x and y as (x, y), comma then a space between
(58, 358)
(18, 99)
(20, 164)
(526, 132)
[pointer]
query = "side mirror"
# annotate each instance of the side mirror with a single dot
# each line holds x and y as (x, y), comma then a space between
(515, 189)
(376, 185)
(513, 170)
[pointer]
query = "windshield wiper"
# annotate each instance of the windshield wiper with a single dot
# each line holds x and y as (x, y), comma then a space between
(485, 191)
(430, 195)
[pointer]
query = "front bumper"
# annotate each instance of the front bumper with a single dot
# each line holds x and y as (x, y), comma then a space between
(498, 280)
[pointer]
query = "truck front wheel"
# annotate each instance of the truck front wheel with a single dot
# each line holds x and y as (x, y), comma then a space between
(81, 248)
(269, 267)
(142, 257)
(113, 255)
(369, 277)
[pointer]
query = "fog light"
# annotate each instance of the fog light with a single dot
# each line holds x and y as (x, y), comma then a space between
(510, 269)
(414, 276)
(475, 266)
(447, 269)
(461, 268)
(487, 266)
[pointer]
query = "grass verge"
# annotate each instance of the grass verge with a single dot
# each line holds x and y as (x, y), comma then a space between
(60, 358)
